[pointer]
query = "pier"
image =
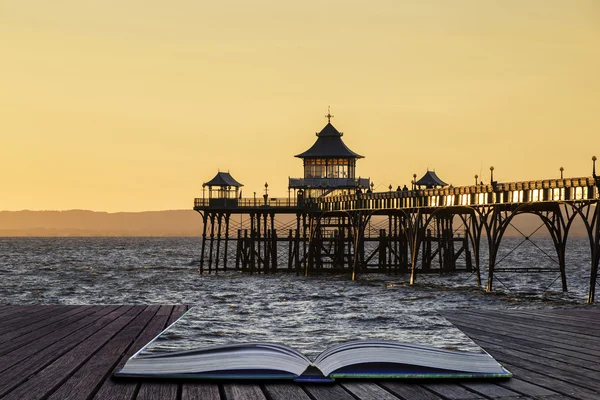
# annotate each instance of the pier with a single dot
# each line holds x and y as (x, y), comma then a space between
(70, 352)
(335, 222)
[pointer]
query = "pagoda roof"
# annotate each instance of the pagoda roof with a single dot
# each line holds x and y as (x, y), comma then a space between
(329, 144)
(430, 180)
(223, 179)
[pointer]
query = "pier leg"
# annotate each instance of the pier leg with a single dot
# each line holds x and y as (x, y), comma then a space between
(239, 249)
(290, 244)
(204, 222)
(212, 240)
(304, 241)
(273, 245)
(219, 224)
(266, 252)
(595, 251)
(226, 255)
(252, 240)
(298, 265)
(257, 239)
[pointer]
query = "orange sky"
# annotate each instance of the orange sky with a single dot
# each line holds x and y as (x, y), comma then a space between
(131, 105)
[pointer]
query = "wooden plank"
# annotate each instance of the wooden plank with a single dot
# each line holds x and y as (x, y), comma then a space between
(551, 383)
(29, 359)
(157, 391)
(545, 322)
(243, 391)
(201, 391)
(84, 382)
(41, 313)
(490, 340)
(567, 372)
(19, 337)
(126, 388)
(451, 391)
(327, 392)
(52, 375)
(526, 388)
(409, 390)
(285, 391)
(550, 337)
(491, 390)
(573, 317)
(523, 338)
(177, 312)
(575, 354)
(533, 327)
(167, 313)
(12, 310)
(368, 391)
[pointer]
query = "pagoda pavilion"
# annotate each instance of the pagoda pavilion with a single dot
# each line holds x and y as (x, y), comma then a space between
(223, 190)
(430, 180)
(329, 166)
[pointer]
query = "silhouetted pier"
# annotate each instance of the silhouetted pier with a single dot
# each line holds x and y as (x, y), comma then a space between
(335, 222)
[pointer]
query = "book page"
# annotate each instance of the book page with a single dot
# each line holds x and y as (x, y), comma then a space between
(310, 330)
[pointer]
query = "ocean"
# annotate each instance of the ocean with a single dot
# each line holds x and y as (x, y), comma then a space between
(294, 309)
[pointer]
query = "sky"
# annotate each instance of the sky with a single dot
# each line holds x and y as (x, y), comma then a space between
(131, 105)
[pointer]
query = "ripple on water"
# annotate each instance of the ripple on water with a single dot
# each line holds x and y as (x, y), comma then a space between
(232, 306)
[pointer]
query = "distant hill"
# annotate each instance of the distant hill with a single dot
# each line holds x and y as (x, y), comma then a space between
(94, 223)
(155, 223)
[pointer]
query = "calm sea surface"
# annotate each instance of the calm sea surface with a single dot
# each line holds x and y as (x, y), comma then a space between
(296, 310)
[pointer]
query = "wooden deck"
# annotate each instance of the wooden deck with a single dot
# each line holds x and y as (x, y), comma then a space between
(69, 352)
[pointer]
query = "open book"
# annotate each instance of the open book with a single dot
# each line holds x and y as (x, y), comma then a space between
(367, 359)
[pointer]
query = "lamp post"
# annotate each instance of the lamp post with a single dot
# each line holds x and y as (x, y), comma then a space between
(266, 195)
(372, 186)
(561, 172)
(203, 191)
(492, 174)
(390, 187)
(414, 181)
(594, 166)
(476, 176)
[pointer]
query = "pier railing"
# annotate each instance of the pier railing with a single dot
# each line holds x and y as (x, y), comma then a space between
(245, 202)
(569, 189)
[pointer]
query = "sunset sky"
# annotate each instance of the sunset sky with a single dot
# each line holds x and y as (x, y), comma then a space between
(130, 105)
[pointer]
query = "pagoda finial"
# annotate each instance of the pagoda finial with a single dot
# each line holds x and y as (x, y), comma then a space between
(329, 116)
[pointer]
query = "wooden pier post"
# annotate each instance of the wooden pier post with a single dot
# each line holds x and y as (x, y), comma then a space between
(204, 221)
(212, 239)
(219, 223)
(252, 242)
(226, 255)
(239, 250)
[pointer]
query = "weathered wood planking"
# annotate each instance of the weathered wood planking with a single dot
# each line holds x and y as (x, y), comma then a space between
(70, 352)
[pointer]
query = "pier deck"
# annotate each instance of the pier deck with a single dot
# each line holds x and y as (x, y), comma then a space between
(70, 352)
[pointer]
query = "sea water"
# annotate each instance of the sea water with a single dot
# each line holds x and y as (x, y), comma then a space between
(297, 310)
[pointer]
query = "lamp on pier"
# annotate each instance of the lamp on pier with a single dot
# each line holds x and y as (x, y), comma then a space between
(492, 174)
(414, 181)
(561, 172)
(594, 166)
(372, 186)
(203, 190)
(476, 176)
(266, 195)
(390, 187)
